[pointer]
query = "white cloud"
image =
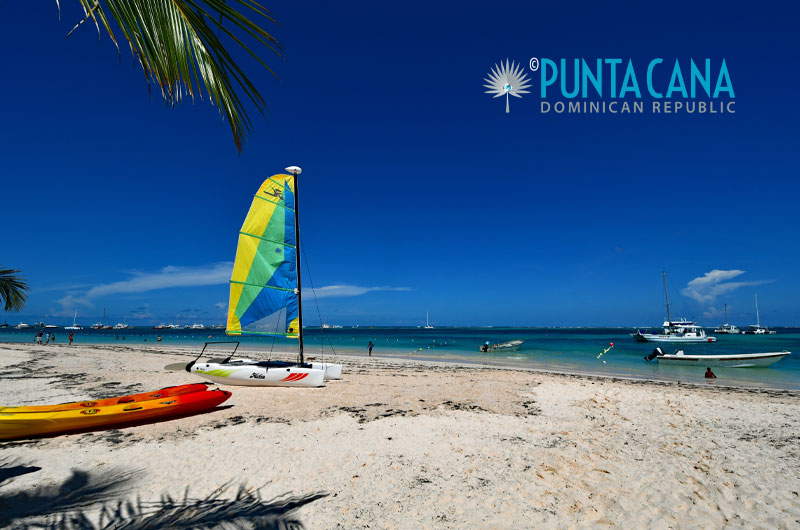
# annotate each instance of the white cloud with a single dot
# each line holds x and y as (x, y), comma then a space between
(330, 291)
(221, 305)
(715, 283)
(167, 277)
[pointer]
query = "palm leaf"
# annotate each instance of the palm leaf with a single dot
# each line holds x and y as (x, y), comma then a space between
(179, 50)
(12, 289)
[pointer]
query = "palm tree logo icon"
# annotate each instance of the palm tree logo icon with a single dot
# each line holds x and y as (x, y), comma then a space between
(507, 79)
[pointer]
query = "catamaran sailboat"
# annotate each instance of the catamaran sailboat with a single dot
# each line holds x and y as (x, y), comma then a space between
(74, 325)
(727, 328)
(674, 330)
(265, 293)
(427, 322)
(756, 329)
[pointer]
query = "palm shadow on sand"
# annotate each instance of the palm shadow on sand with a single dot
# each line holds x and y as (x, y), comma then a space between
(75, 504)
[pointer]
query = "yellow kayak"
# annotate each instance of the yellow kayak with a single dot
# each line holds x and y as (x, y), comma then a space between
(30, 424)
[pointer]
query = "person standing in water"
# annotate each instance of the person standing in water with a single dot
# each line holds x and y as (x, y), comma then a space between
(71, 333)
(370, 348)
(709, 373)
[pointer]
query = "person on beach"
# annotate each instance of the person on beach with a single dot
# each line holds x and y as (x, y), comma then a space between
(53, 337)
(709, 373)
(47, 339)
(71, 333)
(39, 338)
(370, 348)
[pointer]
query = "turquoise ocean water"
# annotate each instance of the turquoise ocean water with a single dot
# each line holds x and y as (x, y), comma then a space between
(561, 350)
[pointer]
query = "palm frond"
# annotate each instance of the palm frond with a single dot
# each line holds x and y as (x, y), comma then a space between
(13, 289)
(176, 45)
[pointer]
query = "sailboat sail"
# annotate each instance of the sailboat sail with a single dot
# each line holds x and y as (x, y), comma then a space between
(263, 292)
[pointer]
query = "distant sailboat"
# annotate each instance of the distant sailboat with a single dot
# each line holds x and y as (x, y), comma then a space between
(427, 322)
(726, 327)
(265, 294)
(756, 329)
(74, 325)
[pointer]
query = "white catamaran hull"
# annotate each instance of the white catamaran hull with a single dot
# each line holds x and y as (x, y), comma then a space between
(332, 371)
(650, 337)
(251, 375)
(744, 360)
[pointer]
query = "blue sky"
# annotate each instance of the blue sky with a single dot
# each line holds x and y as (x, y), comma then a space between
(418, 191)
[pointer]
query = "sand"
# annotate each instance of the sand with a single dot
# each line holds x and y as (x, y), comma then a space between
(408, 444)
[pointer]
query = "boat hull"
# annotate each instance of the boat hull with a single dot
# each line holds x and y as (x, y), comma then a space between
(33, 424)
(120, 400)
(745, 360)
(649, 337)
(331, 370)
(252, 375)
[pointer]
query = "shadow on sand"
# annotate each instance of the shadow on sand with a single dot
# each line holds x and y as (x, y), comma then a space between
(91, 501)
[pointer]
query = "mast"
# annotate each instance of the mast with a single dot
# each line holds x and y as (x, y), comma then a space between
(758, 320)
(294, 170)
(666, 295)
(726, 313)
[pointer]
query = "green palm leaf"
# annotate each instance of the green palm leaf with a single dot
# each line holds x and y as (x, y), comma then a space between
(178, 44)
(13, 289)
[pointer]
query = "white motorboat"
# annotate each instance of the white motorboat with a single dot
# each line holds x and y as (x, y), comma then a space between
(756, 329)
(511, 345)
(727, 328)
(674, 330)
(736, 360)
(22, 325)
(198, 326)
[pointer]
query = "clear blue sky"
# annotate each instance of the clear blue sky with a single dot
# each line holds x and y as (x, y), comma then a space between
(418, 191)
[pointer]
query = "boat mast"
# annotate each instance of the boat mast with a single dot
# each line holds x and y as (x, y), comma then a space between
(726, 313)
(666, 295)
(294, 170)
(758, 320)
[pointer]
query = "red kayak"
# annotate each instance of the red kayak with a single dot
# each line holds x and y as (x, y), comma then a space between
(132, 398)
(14, 425)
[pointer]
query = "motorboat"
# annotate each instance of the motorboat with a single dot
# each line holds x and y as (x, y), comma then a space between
(511, 345)
(674, 330)
(736, 360)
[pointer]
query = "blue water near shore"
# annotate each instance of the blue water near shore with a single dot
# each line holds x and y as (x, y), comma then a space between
(560, 350)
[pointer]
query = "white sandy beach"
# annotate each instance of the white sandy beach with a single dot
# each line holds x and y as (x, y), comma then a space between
(409, 444)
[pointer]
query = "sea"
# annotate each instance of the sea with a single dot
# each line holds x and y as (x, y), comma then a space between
(566, 350)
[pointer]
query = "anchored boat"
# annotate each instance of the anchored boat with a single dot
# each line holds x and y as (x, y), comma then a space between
(739, 360)
(674, 330)
(727, 328)
(756, 329)
(265, 296)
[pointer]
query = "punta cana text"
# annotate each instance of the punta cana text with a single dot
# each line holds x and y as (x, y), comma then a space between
(638, 107)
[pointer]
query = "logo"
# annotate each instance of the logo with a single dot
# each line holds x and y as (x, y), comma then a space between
(275, 192)
(89, 404)
(294, 377)
(90, 411)
(507, 79)
(256, 375)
